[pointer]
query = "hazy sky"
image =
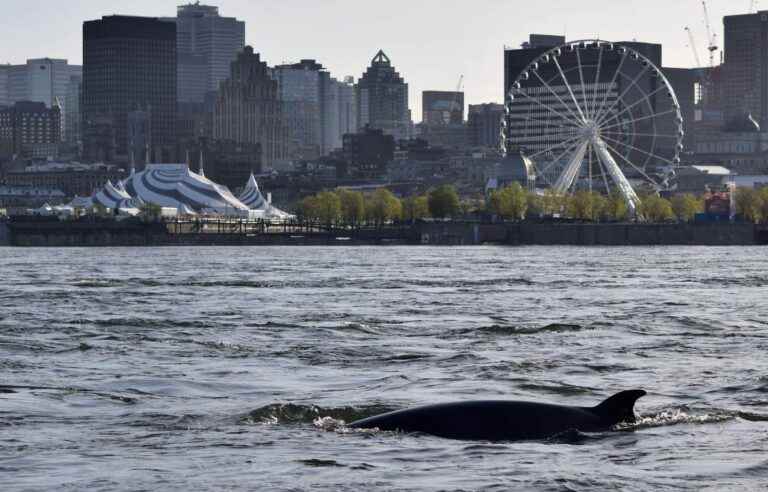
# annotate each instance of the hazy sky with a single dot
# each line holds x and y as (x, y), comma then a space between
(431, 42)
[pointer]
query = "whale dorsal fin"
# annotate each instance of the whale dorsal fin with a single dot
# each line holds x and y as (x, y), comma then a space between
(620, 407)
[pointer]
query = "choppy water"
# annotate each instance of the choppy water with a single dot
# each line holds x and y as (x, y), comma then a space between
(186, 369)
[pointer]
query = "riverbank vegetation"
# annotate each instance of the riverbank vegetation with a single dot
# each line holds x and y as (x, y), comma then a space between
(513, 203)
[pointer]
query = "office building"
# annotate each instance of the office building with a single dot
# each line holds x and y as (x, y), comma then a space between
(442, 107)
(382, 99)
(485, 125)
(248, 108)
(129, 68)
(30, 129)
(44, 80)
(206, 44)
(745, 81)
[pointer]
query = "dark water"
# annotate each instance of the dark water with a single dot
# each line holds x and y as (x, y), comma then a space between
(188, 369)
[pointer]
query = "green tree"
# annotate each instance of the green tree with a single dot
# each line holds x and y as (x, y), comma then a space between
(749, 204)
(415, 208)
(443, 202)
(553, 203)
(616, 207)
(352, 206)
(308, 208)
(383, 206)
(581, 205)
(328, 207)
(656, 209)
(535, 204)
(763, 192)
(686, 207)
(510, 202)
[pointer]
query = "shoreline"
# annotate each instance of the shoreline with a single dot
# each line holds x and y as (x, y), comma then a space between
(33, 233)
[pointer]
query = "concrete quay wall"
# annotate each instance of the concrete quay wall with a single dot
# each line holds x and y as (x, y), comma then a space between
(5, 234)
(545, 234)
(725, 234)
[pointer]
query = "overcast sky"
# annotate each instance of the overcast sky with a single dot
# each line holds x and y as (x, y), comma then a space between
(431, 42)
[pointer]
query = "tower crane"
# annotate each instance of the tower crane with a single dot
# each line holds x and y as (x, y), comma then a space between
(692, 42)
(711, 37)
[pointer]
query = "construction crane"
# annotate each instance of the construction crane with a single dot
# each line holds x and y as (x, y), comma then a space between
(752, 6)
(692, 42)
(711, 37)
(703, 74)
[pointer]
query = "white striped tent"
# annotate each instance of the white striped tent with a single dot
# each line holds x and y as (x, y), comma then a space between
(115, 198)
(255, 200)
(175, 186)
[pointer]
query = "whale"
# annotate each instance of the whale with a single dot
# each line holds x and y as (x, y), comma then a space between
(506, 420)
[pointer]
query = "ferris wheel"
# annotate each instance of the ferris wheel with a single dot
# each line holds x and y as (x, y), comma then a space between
(595, 115)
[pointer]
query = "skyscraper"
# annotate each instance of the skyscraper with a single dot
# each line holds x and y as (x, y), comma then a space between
(304, 90)
(248, 108)
(442, 107)
(43, 80)
(206, 44)
(485, 125)
(382, 99)
(129, 74)
(745, 81)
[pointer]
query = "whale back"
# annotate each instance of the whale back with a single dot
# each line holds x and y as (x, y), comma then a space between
(619, 408)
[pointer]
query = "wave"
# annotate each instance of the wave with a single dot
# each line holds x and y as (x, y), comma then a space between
(531, 330)
(291, 413)
(685, 416)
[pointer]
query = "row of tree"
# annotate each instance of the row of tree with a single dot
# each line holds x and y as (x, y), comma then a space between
(515, 203)
(752, 204)
(379, 207)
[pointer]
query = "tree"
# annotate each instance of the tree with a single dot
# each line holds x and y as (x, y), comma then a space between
(553, 203)
(582, 205)
(764, 206)
(443, 202)
(656, 209)
(616, 207)
(383, 206)
(749, 204)
(328, 207)
(510, 201)
(535, 204)
(415, 208)
(352, 206)
(686, 207)
(308, 208)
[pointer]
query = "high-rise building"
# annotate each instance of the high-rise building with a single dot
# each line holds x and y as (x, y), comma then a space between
(206, 44)
(442, 107)
(44, 80)
(30, 129)
(72, 122)
(317, 109)
(485, 125)
(248, 108)
(515, 60)
(382, 99)
(745, 81)
(305, 92)
(341, 119)
(129, 66)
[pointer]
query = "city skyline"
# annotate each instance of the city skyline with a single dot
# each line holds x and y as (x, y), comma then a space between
(454, 41)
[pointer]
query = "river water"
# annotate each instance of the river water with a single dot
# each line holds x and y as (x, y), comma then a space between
(235, 368)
